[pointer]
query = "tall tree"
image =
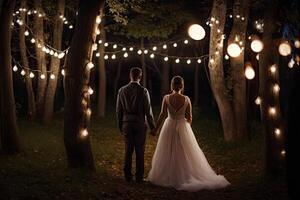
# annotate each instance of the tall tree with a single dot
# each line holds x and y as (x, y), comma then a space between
(101, 105)
(216, 70)
(31, 110)
(54, 63)
(270, 107)
(38, 29)
(238, 33)
(8, 120)
(76, 137)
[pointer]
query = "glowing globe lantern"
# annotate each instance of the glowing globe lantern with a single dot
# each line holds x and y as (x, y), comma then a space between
(196, 32)
(257, 45)
(249, 71)
(285, 49)
(233, 50)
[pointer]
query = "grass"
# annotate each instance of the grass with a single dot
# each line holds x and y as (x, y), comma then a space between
(40, 172)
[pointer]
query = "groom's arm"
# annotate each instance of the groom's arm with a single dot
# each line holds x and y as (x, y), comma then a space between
(119, 111)
(148, 110)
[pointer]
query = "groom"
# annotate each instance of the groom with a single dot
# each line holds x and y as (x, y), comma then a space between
(133, 106)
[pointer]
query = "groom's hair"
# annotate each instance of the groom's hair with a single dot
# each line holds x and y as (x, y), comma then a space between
(135, 73)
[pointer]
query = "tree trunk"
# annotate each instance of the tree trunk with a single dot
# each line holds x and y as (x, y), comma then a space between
(196, 85)
(31, 110)
(116, 82)
(38, 29)
(269, 57)
(143, 64)
(102, 74)
(216, 71)
(54, 63)
(241, 7)
(165, 77)
(8, 119)
(76, 137)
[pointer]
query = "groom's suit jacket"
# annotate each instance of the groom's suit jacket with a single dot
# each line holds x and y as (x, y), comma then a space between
(133, 105)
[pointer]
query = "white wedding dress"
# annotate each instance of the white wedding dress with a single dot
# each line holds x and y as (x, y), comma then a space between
(178, 161)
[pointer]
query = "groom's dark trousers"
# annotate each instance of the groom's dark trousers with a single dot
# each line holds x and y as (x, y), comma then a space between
(133, 106)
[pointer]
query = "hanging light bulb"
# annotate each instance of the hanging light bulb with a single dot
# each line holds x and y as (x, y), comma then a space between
(175, 44)
(52, 76)
(125, 55)
(115, 46)
(124, 49)
(145, 51)
(100, 41)
(90, 91)
(94, 47)
(42, 76)
(285, 48)
(90, 65)
(196, 32)
(26, 33)
(165, 46)
(257, 57)
(297, 43)
(186, 41)
(23, 72)
(97, 54)
(257, 45)
(98, 19)
(258, 100)
(71, 26)
(139, 52)
(273, 69)
(277, 132)
(84, 133)
(234, 50)
(113, 56)
(154, 48)
(106, 57)
(276, 88)
(166, 58)
(152, 55)
(249, 71)
(88, 112)
(131, 49)
(32, 40)
(188, 61)
(199, 61)
(15, 68)
(291, 63)
(63, 72)
(283, 152)
(60, 55)
(106, 44)
(226, 57)
(31, 75)
(272, 111)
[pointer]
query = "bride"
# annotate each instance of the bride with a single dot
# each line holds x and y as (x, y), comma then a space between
(178, 161)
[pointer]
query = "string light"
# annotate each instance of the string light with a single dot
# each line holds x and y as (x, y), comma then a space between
(90, 91)
(273, 69)
(258, 100)
(52, 76)
(145, 51)
(297, 43)
(152, 55)
(277, 132)
(249, 71)
(113, 56)
(272, 111)
(154, 48)
(90, 65)
(165, 46)
(63, 72)
(125, 55)
(285, 48)
(139, 52)
(188, 61)
(115, 46)
(283, 152)
(84, 133)
(175, 45)
(199, 61)
(23, 72)
(26, 33)
(233, 50)
(98, 19)
(97, 54)
(186, 41)
(31, 75)
(276, 88)
(15, 68)
(291, 63)
(257, 45)
(42, 76)
(196, 32)
(177, 60)
(166, 58)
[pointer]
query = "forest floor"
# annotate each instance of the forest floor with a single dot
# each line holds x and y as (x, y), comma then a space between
(40, 171)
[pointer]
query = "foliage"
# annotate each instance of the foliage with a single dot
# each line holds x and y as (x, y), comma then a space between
(149, 19)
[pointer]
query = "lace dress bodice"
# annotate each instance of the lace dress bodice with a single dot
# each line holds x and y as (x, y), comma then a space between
(176, 114)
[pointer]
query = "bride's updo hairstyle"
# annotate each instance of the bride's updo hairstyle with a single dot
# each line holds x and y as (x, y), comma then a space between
(177, 83)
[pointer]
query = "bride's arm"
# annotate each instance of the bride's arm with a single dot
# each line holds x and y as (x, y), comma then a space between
(188, 112)
(163, 114)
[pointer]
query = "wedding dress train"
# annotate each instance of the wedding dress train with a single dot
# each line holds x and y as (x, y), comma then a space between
(178, 161)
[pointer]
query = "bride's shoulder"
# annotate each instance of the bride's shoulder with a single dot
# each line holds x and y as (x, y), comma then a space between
(187, 98)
